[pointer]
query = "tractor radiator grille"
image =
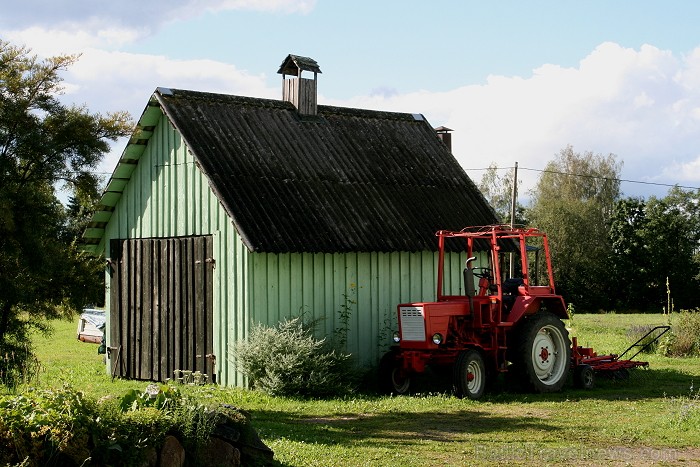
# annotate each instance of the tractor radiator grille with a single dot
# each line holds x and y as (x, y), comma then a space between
(412, 323)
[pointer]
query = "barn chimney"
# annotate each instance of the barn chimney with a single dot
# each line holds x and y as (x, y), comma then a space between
(299, 91)
(445, 136)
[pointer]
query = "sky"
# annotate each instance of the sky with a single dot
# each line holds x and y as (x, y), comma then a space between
(517, 80)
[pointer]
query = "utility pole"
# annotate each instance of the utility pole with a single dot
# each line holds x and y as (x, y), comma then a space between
(513, 202)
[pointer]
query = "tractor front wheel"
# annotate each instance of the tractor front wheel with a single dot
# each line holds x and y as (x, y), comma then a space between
(470, 374)
(393, 379)
(544, 352)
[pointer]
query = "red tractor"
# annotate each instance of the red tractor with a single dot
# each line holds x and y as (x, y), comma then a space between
(495, 324)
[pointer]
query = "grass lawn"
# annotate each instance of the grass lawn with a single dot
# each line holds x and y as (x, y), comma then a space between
(652, 418)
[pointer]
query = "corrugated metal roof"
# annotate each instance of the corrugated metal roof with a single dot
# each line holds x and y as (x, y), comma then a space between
(349, 180)
(345, 180)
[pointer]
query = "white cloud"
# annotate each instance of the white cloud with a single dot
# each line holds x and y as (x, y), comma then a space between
(77, 24)
(642, 105)
(282, 6)
(26, 13)
(684, 172)
(59, 41)
(110, 81)
(643, 100)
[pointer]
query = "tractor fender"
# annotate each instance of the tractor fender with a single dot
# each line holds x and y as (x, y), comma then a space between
(525, 306)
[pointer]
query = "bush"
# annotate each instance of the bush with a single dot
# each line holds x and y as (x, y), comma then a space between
(62, 427)
(287, 360)
(685, 335)
(45, 427)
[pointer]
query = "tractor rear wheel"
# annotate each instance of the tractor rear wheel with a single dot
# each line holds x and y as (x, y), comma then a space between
(470, 374)
(543, 352)
(392, 378)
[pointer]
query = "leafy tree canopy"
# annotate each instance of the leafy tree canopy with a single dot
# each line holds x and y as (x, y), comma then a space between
(44, 143)
(573, 202)
(654, 241)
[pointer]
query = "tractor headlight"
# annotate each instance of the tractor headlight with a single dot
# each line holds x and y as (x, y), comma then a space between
(437, 338)
(396, 337)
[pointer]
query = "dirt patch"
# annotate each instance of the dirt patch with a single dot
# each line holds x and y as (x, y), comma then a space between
(335, 420)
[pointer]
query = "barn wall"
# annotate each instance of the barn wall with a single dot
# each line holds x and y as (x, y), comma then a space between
(370, 285)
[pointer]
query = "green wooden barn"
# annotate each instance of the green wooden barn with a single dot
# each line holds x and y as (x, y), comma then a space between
(224, 211)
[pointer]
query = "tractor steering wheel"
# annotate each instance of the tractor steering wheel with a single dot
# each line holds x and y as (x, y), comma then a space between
(483, 273)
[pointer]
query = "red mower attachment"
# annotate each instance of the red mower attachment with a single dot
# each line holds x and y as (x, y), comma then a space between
(587, 362)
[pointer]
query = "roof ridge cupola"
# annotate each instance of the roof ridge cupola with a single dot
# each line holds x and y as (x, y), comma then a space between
(302, 92)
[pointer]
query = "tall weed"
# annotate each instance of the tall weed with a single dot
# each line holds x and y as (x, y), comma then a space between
(685, 411)
(684, 340)
(18, 366)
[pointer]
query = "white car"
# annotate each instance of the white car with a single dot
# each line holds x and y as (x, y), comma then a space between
(91, 325)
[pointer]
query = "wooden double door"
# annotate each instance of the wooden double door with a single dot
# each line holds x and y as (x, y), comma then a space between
(161, 294)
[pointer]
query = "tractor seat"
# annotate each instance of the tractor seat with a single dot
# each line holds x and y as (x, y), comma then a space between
(511, 285)
(510, 292)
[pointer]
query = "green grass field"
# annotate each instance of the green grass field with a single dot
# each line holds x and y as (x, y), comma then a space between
(651, 418)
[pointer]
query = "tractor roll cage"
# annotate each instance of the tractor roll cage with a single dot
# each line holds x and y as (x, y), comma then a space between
(497, 236)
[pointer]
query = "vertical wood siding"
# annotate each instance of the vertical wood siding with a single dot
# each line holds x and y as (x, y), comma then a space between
(302, 93)
(371, 285)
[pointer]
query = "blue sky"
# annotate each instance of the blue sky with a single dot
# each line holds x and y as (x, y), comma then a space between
(516, 80)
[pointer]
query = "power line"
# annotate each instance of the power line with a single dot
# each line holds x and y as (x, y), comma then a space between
(641, 182)
(569, 174)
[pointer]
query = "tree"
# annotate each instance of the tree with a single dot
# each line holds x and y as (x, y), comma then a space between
(654, 241)
(498, 191)
(672, 237)
(43, 143)
(631, 256)
(81, 205)
(573, 202)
